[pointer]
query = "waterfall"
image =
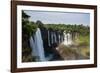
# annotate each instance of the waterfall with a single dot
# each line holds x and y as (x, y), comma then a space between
(49, 38)
(52, 38)
(59, 38)
(37, 45)
(32, 45)
(67, 39)
(55, 39)
(62, 38)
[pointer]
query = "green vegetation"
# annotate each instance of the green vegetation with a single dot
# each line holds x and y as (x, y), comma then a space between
(84, 45)
(83, 40)
(27, 30)
(81, 44)
(83, 30)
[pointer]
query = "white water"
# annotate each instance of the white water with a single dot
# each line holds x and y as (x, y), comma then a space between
(55, 39)
(67, 39)
(33, 46)
(49, 38)
(52, 41)
(37, 45)
(59, 38)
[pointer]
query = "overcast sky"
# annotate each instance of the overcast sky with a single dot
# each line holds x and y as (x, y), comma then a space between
(59, 17)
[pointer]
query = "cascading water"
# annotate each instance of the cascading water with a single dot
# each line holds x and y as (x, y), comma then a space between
(33, 46)
(55, 39)
(59, 38)
(37, 45)
(52, 38)
(67, 39)
(49, 38)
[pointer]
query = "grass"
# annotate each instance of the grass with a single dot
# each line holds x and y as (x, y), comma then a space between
(85, 51)
(83, 40)
(84, 43)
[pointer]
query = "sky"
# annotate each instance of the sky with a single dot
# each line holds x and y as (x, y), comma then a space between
(49, 17)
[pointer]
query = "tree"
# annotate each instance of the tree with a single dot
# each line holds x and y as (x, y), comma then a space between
(40, 24)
